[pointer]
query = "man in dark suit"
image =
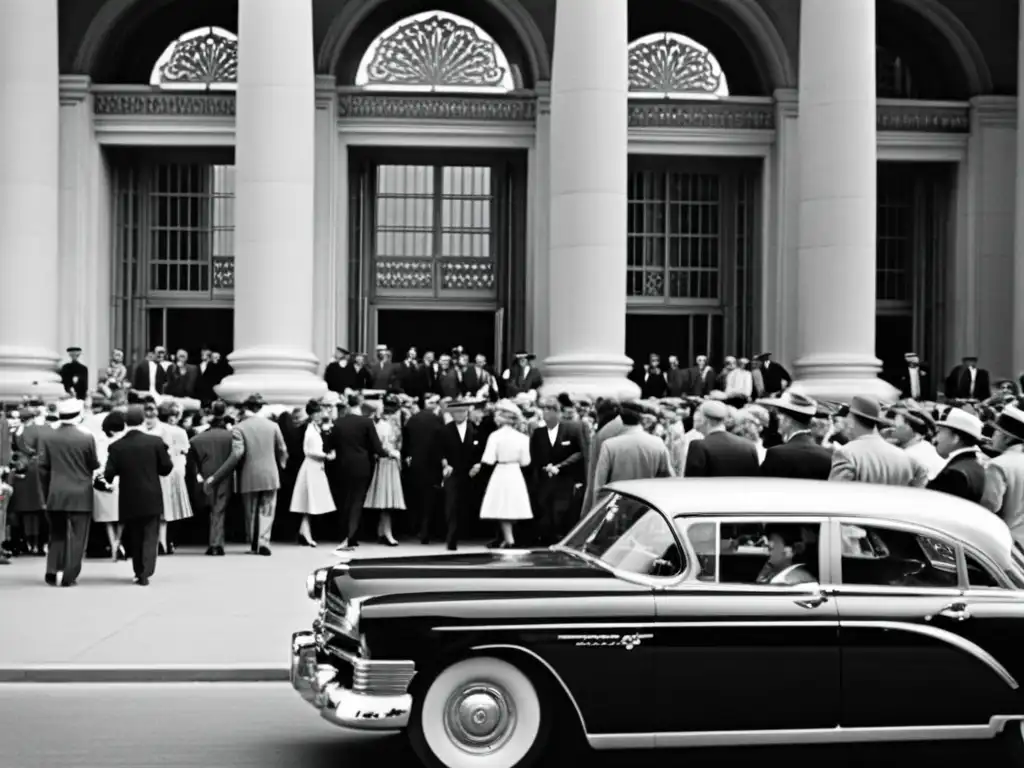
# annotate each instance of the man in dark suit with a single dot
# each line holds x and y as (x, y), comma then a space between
(140, 460)
(775, 377)
(968, 382)
(182, 377)
(652, 380)
(356, 446)
(678, 379)
(211, 373)
(522, 377)
(422, 451)
(338, 373)
(67, 463)
(912, 379)
(556, 466)
(478, 379)
(957, 438)
(799, 455)
(719, 454)
(384, 372)
(209, 450)
(74, 374)
(461, 453)
(410, 379)
(700, 379)
(149, 375)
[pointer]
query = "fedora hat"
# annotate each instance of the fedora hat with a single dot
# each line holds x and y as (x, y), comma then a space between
(1011, 422)
(795, 403)
(963, 422)
(69, 409)
(868, 409)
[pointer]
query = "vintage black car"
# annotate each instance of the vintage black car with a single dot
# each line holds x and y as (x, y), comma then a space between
(866, 613)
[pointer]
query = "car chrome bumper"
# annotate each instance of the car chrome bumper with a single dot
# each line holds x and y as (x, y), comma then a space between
(318, 685)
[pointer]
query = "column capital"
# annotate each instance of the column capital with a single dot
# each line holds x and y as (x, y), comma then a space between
(74, 89)
(994, 110)
(326, 87)
(786, 102)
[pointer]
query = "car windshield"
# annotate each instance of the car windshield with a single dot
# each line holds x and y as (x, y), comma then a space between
(626, 534)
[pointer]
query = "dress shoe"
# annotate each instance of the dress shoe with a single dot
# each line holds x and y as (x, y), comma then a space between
(219, 552)
(211, 551)
(143, 582)
(160, 549)
(265, 551)
(72, 583)
(304, 542)
(452, 547)
(51, 579)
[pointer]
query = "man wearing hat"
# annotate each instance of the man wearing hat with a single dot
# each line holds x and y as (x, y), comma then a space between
(384, 372)
(799, 456)
(868, 457)
(67, 461)
(719, 454)
(463, 448)
(1004, 475)
(775, 377)
(956, 439)
(74, 375)
(913, 380)
(338, 373)
(422, 449)
(522, 377)
(634, 454)
(913, 430)
(967, 381)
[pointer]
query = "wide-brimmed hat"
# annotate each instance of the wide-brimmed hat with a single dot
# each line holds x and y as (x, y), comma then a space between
(868, 409)
(463, 402)
(524, 355)
(715, 410)
(1011, 422)
(964, 423)
(507, 408)
(792, 402)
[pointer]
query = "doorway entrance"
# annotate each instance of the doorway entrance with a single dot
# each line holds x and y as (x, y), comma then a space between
(189, 329)
(683, 335)
(437, 330)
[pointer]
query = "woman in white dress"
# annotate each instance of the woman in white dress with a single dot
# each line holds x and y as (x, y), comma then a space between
(508, 451)
(312, 494)
(105, 496)
(385, 493)
(177, 505)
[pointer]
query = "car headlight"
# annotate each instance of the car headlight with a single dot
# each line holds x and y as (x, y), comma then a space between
(315, 583)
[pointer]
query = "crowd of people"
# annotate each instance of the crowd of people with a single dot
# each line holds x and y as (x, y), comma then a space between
(450, 449)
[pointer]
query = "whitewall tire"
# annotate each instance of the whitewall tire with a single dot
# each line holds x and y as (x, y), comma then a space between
(481, 712)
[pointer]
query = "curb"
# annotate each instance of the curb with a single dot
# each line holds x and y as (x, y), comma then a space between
(151, 673)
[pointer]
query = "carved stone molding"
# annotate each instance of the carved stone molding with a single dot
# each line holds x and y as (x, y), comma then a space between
(161, 103)
(468, 275)
(669, 63)
(404, 274)
(436, 107)
(204, 59)
(701, 114)
(223, 273)
(924, 118)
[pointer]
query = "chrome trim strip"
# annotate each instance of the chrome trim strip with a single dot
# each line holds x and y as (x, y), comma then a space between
(942, 636)
(541, 660)
(837, 735)
(634, 625)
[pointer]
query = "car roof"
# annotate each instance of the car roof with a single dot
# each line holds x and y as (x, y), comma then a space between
(779, 497)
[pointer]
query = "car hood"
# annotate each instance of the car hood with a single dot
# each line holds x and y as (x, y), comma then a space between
(493, 564)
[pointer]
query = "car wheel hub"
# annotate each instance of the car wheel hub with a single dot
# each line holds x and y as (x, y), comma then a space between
(479, 717)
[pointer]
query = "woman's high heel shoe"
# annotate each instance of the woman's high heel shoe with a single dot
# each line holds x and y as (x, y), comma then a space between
(304, 542)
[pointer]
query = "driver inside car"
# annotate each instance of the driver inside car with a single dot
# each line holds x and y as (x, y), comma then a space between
(790, 557)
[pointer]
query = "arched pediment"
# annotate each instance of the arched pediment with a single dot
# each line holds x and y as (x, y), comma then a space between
(673, 66)
(205, 59)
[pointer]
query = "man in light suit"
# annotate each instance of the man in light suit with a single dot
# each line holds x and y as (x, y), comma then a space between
(632, 455)
(613, 427)
(67, 461)
(258, 445)
(868, 458)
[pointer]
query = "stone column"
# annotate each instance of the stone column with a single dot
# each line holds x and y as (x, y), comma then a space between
(588, 225)
(1018, 260)
(29, 191)
(274, 157)
(835, 291)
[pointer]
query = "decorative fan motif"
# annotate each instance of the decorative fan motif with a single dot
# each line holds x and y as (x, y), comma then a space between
(202, 60)
(435, 51)
(669, 64)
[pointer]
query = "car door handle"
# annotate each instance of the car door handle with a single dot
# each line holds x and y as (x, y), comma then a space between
(812, 602)
(954, 611)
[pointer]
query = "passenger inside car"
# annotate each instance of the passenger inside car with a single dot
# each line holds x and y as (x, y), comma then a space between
(792, 556)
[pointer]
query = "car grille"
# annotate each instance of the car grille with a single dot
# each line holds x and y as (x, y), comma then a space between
(383, 678)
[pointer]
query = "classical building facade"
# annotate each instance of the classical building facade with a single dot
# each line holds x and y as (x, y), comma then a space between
(833, 181)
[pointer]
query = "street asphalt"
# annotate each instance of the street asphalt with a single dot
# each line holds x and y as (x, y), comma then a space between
(266, 725)
(205, 618)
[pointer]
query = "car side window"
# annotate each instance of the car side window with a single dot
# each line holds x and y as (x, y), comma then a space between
(778, 553)
(978, 574)
(889, 557)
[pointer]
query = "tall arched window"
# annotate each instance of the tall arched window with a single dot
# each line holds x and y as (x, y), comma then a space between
(436, 51)
(894, 79)
(205, 59)
(667, 65)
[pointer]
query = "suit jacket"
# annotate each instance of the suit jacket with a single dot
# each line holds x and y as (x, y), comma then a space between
(566, 454)
(67, 461)
(182, 383)
(901, 380)
(962, 476)
(958, 384)
(209, 378)
(774, 375)
(870, 459)
(721, 454)
(449, 383)
(356, 445)
(75, 378)
(800, 457)
(209, 451)
(140, 460)
(462, 455)
(142, 382)
(631, 455)
(678, 380)
(520, 380)
(653, 384)
(383, 376)
(258, 446)
(473, 381)
(411, 380)
(699, 384)
(613, 428)
(338, 376)
(423, 447)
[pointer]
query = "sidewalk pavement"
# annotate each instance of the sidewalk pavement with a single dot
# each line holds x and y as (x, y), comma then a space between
(201, 619)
